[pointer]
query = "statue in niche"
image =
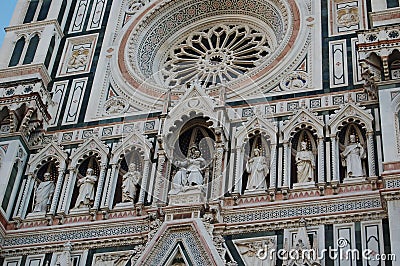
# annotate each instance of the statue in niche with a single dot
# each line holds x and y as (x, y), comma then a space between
(258, 169)
(129, 182)
(43, 194)
(190, 172)
(351, 158)
(86, 189)
(305, 164)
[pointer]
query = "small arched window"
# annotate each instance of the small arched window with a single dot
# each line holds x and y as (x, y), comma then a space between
(30, 13)
(44, 10)
(31, 51)
(18, 49)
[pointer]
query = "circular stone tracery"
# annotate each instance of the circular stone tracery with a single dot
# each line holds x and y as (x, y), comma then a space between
(148, 61)
(223, 52)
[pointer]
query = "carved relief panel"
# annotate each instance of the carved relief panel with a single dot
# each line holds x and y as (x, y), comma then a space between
(347, 16)
(77, 56)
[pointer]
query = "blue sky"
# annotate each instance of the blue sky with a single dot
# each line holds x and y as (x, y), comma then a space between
(7, 9)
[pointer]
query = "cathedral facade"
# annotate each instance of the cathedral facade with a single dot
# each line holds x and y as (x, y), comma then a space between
(181, 132)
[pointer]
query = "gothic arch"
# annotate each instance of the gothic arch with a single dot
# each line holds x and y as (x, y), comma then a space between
(266, 128)
(346, 116)
(50, 152)
(350, 113)
(303, 119)
(255, 126)
(134, 143)
(195, 103)
(91, 145)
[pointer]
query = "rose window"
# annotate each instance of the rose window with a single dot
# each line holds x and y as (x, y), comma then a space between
(217, 54)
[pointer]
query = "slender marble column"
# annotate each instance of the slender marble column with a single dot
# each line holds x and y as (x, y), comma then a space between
(321, 161)
(335, 158)
(286, 169)
(371, 154)
(57, 191)
(111, 183)
(100, 184)
(239, 168)
(272, 171)
(143, 186)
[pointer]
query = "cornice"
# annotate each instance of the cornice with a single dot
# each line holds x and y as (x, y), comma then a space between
(25, 72)
(36, 24)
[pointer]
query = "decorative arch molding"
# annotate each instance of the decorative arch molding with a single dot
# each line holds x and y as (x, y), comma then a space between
(256, 124)
(194, 100)
(51, 151)
(135, 141)
(304, 119)
(93, 145)
(351, 113)
(195, 103)
(90, 145)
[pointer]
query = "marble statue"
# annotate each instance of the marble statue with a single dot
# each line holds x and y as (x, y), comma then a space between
(43, 194)
(129, 182)
(305, 164)
(86, 189)
(189, 173)
(351, 158)
(258, 169)
(194, 169)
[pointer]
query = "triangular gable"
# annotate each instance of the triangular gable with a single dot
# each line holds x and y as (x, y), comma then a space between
(133, 140)
(92, 144)
(256, 123)
(195, 100)
(51, 150)
(303, 116)
(350, 111)
(190, 234)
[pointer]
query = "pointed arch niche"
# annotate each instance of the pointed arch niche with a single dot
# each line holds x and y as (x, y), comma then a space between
(135, 148)
(196, 121)
(304, 126)
(195, 132)
(89, 161)
(307, 135)
(53, 160)
(91, 154)
(257, 133)
(351, 120)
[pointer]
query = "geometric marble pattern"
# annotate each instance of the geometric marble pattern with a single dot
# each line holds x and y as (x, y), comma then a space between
(311, 209)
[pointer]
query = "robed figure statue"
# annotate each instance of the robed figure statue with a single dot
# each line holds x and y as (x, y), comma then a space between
(258, 169)
(86, 189)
